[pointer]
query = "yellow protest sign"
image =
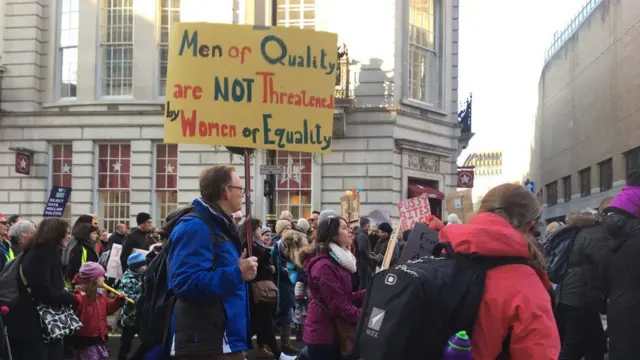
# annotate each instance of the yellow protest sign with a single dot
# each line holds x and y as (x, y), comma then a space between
(244, 86)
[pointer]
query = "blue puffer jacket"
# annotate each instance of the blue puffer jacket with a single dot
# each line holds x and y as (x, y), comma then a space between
(203, 269)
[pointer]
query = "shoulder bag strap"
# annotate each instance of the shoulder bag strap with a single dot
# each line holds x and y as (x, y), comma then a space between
(24, 279)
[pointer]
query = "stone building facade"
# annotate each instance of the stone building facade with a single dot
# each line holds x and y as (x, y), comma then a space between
(587, 132)
(83, 87)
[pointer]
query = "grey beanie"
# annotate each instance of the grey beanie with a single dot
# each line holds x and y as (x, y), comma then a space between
(325, 214)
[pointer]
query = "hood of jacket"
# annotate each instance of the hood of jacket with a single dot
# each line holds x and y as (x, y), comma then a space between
(582, 220)
(310, 260)
(291, 243)
(628, 199)
(620, 226)
(224, 222)
(487, 235)
(490, 235)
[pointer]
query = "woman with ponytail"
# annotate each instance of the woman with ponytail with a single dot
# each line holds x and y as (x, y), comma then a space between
(516, 304)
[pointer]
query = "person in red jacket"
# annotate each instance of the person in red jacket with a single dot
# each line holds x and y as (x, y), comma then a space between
(516, 303)
(92, 310)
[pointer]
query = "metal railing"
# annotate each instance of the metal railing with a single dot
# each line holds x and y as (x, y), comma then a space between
(560, 38)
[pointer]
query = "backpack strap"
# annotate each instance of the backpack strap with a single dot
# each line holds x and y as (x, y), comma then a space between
(210, 224)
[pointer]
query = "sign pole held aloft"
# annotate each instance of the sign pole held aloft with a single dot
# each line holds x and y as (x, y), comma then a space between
(391, 247)
(247, 200)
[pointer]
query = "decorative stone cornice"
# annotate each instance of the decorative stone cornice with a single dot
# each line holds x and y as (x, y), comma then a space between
(410, 145)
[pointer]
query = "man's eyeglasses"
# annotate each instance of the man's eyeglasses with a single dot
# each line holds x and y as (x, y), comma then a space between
(4, 222)
(237, 187)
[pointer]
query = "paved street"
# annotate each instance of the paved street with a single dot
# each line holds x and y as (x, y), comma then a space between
(114, 344)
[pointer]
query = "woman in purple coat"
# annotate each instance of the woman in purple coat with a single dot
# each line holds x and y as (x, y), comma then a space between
(329, 266)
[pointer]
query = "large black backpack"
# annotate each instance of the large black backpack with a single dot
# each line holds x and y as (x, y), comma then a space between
(411, 310)
(557, 251)
(155, 306)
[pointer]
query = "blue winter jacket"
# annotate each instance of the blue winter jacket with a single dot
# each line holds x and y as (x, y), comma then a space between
(204, 268)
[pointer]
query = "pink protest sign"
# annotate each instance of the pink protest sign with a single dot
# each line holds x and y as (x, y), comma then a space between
(414, 210)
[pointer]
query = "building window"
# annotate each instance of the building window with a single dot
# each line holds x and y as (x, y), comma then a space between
(61, 171)
(166, 184)
(585, 182)
(552, 193)
(297, 13)
(606, 174)
(566, 188)
(633, 159)
(114, 178)
(116, 45)
(68, 51)
(169, 14)
(424, 63)
(293, 186)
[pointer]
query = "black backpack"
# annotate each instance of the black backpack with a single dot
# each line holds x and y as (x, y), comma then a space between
(557, 251)
(9, 282)
(411, 311)
(155, 306)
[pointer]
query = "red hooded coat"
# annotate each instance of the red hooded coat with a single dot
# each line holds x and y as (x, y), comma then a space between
(514, 295)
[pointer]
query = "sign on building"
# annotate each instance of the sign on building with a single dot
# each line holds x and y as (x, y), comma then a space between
(270, 169)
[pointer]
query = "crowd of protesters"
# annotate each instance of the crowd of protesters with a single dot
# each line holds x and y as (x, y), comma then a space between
(303, 275)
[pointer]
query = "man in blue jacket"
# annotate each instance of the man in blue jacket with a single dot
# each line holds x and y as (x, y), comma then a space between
(208, 274)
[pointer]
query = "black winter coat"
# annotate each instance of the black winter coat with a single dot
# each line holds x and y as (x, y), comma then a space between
(623, 283)
(75, 257)
(42, 268)
(136, 239)
(582, 286)
(366, 264)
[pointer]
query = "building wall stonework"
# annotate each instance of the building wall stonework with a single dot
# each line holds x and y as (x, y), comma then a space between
(383, 128)
(588, 108)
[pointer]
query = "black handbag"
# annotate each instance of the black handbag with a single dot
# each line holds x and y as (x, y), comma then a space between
(56, 323)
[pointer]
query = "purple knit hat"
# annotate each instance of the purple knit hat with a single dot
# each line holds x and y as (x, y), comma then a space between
(628, 199)
(91, 270)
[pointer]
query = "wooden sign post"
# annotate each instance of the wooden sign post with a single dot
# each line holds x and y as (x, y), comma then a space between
(392, 245)
(350, 206)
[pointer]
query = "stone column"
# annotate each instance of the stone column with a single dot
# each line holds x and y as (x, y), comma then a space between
(145, 50)
(24, 33)
(189, 167)
(141, 160)
(84, 180)
(575, 186)
(619, 170)
(595, 179)
(89, 54)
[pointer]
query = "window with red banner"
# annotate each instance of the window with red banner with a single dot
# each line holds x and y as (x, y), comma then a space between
(62, 155)
(293, 186)
(166, 185)
(114, 182)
